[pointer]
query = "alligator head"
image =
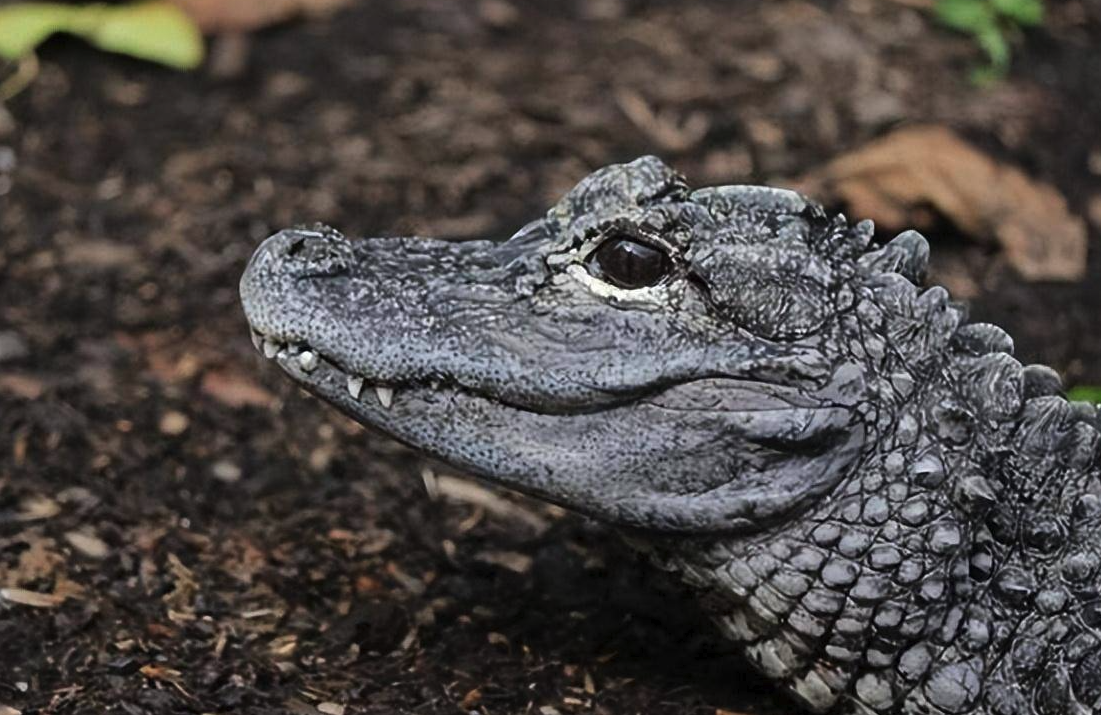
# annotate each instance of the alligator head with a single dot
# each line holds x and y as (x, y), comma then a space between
(658, 358)
(885, 509)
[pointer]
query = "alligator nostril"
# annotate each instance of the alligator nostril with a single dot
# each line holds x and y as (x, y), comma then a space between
(312, 252)
(296, 247)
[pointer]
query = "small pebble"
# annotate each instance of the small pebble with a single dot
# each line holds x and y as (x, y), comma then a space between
(174, 423)
(226, 471)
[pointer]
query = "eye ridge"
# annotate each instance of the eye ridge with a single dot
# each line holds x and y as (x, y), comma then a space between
(626, 261)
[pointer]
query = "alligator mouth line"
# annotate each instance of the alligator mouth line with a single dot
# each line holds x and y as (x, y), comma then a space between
(324, 375)
(308, 360)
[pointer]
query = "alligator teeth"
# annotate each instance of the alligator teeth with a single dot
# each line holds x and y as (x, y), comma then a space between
(385, 396)
(258, 341)
(307, 360)
(355, 386)
(271, 348)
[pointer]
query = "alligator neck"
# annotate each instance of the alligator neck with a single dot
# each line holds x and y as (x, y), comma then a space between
(954, 563)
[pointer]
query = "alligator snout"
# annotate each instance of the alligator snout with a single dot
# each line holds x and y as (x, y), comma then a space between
(303, 253)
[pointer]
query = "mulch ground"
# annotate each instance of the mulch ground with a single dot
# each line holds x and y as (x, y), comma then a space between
(182, 531)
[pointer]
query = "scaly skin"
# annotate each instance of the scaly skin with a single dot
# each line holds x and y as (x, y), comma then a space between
(889, 512)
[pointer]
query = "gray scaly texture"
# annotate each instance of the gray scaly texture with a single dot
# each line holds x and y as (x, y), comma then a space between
(888, 511)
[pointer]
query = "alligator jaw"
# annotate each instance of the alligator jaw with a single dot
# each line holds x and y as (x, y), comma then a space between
(302, 362)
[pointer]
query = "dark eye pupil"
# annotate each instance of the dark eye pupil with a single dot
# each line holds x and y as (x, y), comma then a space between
(629, 264)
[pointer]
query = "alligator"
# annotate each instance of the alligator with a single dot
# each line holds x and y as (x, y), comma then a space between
(887, 511)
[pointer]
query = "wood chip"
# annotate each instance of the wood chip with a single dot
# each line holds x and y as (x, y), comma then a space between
(41, 560)
(298, 707)
(37, 507)
(88, 544)
(24, 386)
(670, 132)
(330, 708)
(33, 599)
(1095, 211)
(511, 560)
(471, 493)
(894, 181)
(235, 390)
(471, 699)
(498, 13)
(410, 583)
(99, 254)
(184, 585)
(283, 646)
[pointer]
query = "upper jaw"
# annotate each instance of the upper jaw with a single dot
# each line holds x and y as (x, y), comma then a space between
(309, 367)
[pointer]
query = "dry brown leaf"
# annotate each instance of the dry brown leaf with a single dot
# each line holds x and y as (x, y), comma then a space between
(896, 179)
(214, 16)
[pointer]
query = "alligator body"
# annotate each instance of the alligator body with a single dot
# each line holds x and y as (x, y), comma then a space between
(888, 511)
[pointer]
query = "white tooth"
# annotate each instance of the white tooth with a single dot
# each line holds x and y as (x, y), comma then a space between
(271, 348)
(307, 360)
(258, 341)
(355, 386)
(385, 396)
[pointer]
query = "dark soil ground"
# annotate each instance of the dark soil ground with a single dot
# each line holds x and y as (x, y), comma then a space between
(207, 538)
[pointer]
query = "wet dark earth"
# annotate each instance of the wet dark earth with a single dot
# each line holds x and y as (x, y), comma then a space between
(182, 531)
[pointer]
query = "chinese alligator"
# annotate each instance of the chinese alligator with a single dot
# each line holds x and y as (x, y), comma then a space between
(887, 510)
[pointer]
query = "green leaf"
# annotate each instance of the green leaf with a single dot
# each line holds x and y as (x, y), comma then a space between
(155, 31)
(25, 26)
(1028, 13)
(966, 15)
(994, 43)
(1086, 393)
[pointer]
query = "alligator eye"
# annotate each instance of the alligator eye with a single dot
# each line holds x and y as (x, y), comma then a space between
(626, 263)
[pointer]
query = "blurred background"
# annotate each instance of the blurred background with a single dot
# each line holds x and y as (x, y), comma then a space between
(182, 531)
